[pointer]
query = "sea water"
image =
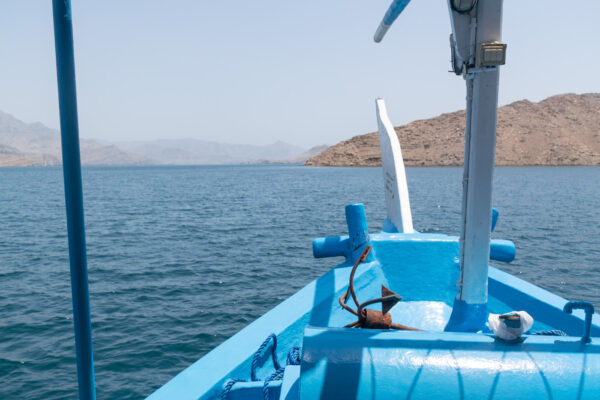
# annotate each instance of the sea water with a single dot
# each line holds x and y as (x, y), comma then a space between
(181, 258)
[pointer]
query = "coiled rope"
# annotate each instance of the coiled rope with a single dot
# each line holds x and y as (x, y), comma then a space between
(552, 332)
(228, 385)
(293, 358)
(258, 353)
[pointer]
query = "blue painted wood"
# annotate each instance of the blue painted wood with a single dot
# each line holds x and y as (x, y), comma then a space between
(420, 267)
(390, 16)
(367, 364)
(542, 305)
(340, 246)
(290, 388)
(495, 214)
(394, 11)
(65, 70)
(358, 231)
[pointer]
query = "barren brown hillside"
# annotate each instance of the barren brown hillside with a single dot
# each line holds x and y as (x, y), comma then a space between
(560, 130)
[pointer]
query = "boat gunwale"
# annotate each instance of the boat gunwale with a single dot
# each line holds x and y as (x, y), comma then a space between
(206, 376)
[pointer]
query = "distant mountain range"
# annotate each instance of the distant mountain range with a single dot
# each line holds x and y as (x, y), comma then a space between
(299, 159)
(192, 151)
(23, 144)
(560, 130)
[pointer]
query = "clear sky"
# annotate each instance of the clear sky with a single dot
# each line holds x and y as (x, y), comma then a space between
(305, 72)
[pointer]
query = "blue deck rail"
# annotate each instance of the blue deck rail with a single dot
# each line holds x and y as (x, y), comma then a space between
(69, 130)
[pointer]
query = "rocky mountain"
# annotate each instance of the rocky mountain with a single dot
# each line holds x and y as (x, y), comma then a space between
(23, 144)
(560, 130)
(12, 157)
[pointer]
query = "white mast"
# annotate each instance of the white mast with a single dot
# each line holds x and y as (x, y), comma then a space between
(476, 54)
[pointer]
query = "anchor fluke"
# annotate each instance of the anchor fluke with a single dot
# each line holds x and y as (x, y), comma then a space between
(391, 298)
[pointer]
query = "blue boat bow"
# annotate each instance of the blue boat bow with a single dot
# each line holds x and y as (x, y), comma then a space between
(446, 284)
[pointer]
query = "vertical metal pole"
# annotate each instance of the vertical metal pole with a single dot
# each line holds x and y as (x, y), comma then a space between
(65, 69)
(470, 306)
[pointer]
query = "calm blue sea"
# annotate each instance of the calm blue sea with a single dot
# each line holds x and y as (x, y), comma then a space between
(169, 246)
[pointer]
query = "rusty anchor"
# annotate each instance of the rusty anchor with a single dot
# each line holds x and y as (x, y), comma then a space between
(367, 317)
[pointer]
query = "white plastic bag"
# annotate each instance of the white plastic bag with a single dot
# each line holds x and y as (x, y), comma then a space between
(509, 326)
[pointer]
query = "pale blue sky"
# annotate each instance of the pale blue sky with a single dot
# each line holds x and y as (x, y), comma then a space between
(306, 72)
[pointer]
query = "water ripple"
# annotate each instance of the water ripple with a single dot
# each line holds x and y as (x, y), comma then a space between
(168, 245)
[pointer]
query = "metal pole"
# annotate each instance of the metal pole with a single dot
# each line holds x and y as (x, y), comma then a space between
(471, 30)
(65, 70)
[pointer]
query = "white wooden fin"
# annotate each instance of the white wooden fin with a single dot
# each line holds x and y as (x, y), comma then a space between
(394, 177)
